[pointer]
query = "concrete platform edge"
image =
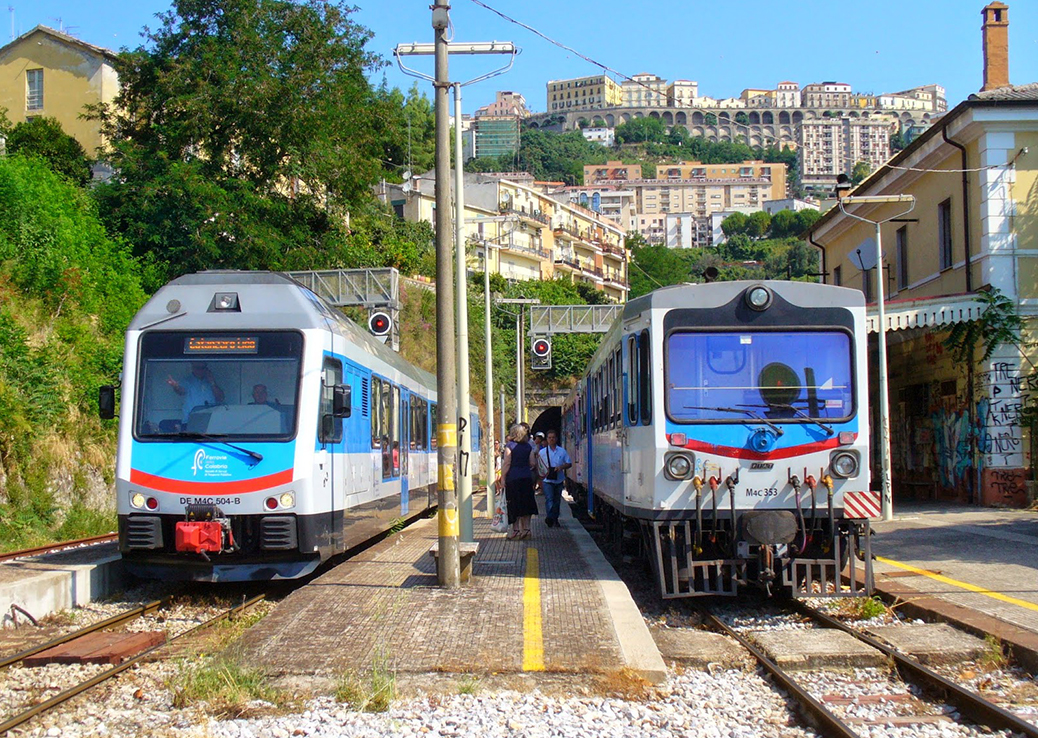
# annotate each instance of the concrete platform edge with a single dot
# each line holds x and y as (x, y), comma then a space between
(636, 643)
(1022, 643)
(58, 588)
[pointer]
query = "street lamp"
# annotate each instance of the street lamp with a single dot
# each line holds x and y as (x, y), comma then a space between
(884, 397)
(520, 301)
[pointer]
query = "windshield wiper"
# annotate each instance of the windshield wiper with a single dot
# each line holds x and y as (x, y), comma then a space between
(744, 411)
(219, 439)
(800, 413)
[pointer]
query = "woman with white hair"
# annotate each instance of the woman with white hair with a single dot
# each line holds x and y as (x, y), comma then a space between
(517, 473)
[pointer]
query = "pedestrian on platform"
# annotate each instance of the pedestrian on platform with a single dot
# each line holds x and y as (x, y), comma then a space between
(552, 464)
(539, 442)
(518, 470)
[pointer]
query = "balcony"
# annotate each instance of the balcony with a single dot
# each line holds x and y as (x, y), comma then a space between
(535, 217)
(532, 251)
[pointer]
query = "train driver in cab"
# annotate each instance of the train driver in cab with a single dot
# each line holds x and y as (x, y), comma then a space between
(199, 388)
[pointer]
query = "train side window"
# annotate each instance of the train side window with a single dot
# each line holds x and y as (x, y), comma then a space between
(632, 380)
(330, 429)
(394, 431)
(405, 432)
(376, 412)
(433, 413)
(644, 378)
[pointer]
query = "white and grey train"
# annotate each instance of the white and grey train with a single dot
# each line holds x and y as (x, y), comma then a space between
(262, 432)
(725, 427)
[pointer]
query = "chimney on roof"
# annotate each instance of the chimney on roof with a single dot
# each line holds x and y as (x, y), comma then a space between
(996, 45)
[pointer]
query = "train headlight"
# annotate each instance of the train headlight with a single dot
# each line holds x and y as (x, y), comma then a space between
(137, 500)
(844, 464)
(677, 466)
(758, 298)
(287, 499)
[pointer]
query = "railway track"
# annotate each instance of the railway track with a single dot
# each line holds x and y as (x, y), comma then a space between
(969, 706)
(54, 547)
(121, 619)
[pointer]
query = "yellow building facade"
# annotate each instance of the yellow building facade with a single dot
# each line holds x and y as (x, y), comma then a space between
(959, 429)
(46, 73)
(525, 233)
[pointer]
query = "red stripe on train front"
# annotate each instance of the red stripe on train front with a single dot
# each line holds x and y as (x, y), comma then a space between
(778, 453)
(208, 489)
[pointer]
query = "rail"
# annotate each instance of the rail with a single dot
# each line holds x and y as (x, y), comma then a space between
(104, 676)
(51, 548)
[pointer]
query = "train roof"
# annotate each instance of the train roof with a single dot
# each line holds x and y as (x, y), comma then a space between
(273, 301)
(716, 294)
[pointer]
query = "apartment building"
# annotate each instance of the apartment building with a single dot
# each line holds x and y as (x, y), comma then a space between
(616, 202)
(525, 233)
(494, 136)
(787, 95)
(645, 91)
(829, 147)
(826, 95)
(48, 73)
(612, 171)
(506, 104)
(583, 93)
(682, 93)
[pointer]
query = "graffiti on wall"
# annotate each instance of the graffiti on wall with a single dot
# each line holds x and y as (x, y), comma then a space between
(999, 435)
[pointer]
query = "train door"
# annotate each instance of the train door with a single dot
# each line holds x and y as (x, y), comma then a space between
(405, 446)
(331, 492)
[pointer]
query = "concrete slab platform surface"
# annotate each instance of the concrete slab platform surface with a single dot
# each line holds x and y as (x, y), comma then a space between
(974, 567)
(932, 643)
(698, 649)
(46, 584)
(815, 648)
(550, 603)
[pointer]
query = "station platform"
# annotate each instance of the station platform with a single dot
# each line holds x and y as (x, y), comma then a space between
(550, 603)
(976, 568)
(48, 583)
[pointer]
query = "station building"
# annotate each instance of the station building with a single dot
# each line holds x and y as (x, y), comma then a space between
(960, 430)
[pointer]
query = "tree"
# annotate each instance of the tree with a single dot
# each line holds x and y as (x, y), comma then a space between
(861, 170)
(243, 130)
(806, 219)
(758, 224)
(734, 223)
(742, 118)
(653, 267)
(44, 138)
(784, 224)
(641, 129)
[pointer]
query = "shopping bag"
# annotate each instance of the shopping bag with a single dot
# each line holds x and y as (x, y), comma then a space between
(500, 522)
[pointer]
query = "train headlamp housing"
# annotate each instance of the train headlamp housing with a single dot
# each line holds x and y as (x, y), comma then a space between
(137, 500)
(225, 302)
(844, 464)
(287, 499)
(678, 465)
(758, 298)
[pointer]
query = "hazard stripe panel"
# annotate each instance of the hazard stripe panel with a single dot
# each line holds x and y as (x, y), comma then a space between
(861, 504)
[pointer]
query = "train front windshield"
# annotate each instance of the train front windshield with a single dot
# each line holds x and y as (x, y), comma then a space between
(234, 386)
(784, 376)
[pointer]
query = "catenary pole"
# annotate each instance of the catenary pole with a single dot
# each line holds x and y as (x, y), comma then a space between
(488, 439)
(464, 475)
(449, 564)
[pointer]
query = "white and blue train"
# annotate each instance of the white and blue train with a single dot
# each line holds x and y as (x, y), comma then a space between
(725, 428)
(262, 432)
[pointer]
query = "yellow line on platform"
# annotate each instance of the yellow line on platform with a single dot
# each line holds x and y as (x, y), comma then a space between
(961, 585)
(533, 635)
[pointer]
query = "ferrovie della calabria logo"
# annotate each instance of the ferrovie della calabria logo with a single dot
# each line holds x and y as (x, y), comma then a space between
(210, 465)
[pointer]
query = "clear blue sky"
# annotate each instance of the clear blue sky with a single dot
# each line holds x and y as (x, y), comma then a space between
(725, 45)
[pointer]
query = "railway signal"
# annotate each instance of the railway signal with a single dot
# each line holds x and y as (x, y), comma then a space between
(541, 348)
(380, 324)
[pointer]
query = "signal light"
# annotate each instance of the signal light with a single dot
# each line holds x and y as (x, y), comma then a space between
(380, 324)
(541, 349)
